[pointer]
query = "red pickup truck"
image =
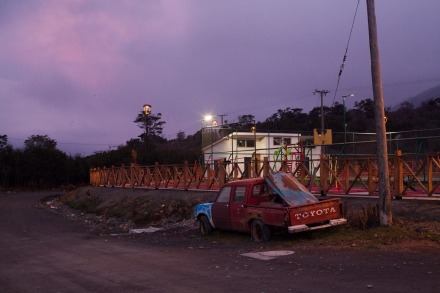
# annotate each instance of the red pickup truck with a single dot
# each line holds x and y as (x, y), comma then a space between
(259, 205)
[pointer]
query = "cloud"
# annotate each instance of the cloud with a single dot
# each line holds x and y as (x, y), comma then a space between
(83, 69)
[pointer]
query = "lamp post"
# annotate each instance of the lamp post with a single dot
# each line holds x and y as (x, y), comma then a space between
(254, 131)
(146, 109)
(209, 118)
(345, 123)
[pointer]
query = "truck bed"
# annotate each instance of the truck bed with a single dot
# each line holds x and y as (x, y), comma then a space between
(319, 215)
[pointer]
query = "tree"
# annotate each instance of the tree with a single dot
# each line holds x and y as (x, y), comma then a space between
(404, 118)
(3, 141)
(152, 136)
(428, 114)
(361, 117)
(366, 107)
(43, 165)
(40, 141)
(244, 122)
(315, 117)
(288, 119)
(181, 136)
(334, 118)
(152, 124)
(5, 160)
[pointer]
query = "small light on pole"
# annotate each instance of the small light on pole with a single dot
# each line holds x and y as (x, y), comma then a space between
(147, 109)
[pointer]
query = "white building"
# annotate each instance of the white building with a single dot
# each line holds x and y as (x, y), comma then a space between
(240, 147)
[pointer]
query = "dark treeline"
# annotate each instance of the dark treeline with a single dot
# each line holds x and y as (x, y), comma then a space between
(40, 164)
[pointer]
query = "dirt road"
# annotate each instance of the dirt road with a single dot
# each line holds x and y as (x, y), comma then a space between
(41, 251)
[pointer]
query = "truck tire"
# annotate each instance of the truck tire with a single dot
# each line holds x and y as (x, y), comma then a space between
(260, 232)
(205, 225)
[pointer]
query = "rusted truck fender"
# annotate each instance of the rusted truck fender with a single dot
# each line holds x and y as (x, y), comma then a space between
(204, 209)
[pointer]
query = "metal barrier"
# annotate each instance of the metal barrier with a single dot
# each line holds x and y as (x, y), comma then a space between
(408, 176)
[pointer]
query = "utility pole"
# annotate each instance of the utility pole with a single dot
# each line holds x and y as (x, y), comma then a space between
(322, 93)
(221, 118)
(379, 114)
(323, 176)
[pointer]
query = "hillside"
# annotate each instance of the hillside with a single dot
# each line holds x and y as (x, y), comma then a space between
(417, 100)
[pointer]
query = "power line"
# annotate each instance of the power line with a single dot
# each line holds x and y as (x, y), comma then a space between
(345, 55)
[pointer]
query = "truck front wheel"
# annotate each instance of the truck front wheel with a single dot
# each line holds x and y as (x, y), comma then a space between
(260, 232)
(205, 225)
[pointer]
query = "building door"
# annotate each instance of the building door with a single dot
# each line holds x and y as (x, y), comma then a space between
(247, 167)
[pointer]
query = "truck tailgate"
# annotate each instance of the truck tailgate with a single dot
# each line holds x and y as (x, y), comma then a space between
(317, 215)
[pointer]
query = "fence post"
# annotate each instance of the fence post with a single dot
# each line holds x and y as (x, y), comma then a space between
(132, 177)
(156, 175)
(398, 174)
(430, 177)
(185, 175)
(347, 175)
(370, 177)
(302, 170)
(265, 166)
(324, 174)
(235, 170)
(104, 176)
(141, 176)
(284, 166)
(92, 176)
(221, 173)
(209, 175)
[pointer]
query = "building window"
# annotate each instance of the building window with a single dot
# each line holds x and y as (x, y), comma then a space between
(246, 143)
(281, 141)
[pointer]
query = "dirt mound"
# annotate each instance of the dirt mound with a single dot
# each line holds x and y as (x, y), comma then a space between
(117, 210)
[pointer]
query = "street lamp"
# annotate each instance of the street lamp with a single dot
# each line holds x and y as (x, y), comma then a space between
(345, 123)
(146, 109)
(209, 118)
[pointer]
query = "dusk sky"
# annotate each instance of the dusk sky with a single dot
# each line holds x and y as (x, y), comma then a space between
(79, 71)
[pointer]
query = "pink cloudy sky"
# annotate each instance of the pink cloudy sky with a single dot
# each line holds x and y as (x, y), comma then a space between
(80, 70)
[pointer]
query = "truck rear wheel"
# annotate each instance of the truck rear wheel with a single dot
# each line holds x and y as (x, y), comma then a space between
(205, 225)
(260, 232)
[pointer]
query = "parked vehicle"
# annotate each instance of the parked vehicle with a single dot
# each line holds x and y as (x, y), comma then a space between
(260, 205)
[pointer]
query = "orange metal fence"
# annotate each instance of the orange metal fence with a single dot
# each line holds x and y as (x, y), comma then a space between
(327, 175)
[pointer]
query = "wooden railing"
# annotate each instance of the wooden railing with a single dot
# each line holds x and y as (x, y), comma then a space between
(326, 175)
